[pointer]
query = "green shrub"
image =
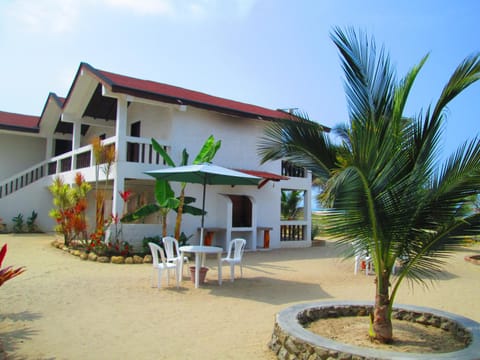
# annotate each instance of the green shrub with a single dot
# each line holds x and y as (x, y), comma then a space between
(31, 225)
(18, 224)
(154, 239)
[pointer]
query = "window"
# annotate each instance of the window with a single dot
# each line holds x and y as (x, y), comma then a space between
(133, 149)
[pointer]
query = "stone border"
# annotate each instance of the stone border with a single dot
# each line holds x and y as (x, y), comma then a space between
(290, 340)
(91, 256)
(474, 259)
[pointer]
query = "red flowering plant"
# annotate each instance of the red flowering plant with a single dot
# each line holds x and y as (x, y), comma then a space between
(125, 195)
(9, 272)
(107, 241)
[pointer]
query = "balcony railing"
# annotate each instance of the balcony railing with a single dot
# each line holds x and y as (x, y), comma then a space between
(138, 150)
(288, 169)
(293, 230)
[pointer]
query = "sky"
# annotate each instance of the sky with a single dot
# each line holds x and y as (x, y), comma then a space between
(272, 53)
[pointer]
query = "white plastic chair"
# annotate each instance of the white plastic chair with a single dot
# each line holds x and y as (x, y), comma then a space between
(173, 254)
(361, 256)
(234, 256)
(160, 264)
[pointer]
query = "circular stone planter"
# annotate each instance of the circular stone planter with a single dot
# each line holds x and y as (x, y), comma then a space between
(474, 259)
(290, 340)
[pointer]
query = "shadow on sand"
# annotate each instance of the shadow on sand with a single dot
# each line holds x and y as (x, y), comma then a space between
(14, 332)
(270, 290)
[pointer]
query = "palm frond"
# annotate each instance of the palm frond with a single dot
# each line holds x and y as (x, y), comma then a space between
(302, 142)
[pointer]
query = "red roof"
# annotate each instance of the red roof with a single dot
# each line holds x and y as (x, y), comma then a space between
(19, 122)
(266, 176)
(177, 95)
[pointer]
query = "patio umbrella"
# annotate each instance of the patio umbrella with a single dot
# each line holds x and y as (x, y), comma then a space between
(205, 174)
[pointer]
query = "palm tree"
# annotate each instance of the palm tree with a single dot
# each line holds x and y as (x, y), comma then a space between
(382, 181)
(289, 203)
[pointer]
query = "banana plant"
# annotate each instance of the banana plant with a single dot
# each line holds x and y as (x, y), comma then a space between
(206, 154)
(165, 202)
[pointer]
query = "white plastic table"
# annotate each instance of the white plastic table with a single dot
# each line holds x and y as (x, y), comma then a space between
(200, 252)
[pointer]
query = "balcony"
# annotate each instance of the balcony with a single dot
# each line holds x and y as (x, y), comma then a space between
(138, 150)
(288, 169)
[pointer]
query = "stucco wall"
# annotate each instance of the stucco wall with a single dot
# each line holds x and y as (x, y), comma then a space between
(18, 153)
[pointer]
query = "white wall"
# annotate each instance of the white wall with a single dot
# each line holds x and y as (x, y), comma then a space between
(156, 121)
(34, 197)
(18, 153)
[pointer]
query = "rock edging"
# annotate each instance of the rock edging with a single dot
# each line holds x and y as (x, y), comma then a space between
(474, 259)
(91, 256)
(290, 340)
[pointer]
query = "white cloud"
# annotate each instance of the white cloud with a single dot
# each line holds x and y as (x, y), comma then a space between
(185, 9)
(63, 16)
(144, 7)
(55, 16)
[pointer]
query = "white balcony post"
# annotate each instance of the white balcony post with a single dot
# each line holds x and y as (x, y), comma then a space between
(120, 147)
(49, 147)
(121, 130)
(77, 133)
(307, 209)
(48, 152)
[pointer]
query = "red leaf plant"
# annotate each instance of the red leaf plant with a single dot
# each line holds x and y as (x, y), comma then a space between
(125, 195)
(9, 272)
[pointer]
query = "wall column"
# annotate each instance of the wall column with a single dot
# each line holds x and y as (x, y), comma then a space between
(121, 152)
(76, 136)
(49, 147)
(121, 130)
(307, 209)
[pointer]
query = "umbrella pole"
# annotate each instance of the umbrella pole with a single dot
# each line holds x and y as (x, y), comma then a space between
(203, 211)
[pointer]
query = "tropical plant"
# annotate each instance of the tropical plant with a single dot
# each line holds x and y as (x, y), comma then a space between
(383, 182)
(206, 154)
(165, 196)
(31, 222)
(70, 205)
(9, 272)
(18, 223)
(104, 156)
(154, 239)
(289, 203)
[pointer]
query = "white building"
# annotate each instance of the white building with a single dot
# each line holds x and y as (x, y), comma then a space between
(128, 112)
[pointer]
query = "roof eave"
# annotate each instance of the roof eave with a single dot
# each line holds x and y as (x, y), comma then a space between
(19, 129)
(181, 101)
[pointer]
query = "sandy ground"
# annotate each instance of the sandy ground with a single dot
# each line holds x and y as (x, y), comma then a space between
(66, 308)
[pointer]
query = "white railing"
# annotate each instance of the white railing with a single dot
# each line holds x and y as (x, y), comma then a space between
(138, 150)
(293, 230)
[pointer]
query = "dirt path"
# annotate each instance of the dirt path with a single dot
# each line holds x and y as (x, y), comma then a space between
(66, 308)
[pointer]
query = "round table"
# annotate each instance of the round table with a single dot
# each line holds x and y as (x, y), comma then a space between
(200, 252)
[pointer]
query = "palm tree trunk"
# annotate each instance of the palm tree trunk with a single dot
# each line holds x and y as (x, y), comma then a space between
(382, 323)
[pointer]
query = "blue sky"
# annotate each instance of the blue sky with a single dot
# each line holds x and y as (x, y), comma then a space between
(273, 53)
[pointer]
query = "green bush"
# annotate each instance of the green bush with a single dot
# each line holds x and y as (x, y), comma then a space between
(18, 224)
(154, 239)
(31, 225)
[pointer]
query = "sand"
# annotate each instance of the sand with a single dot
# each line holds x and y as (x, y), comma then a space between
(66, 308)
